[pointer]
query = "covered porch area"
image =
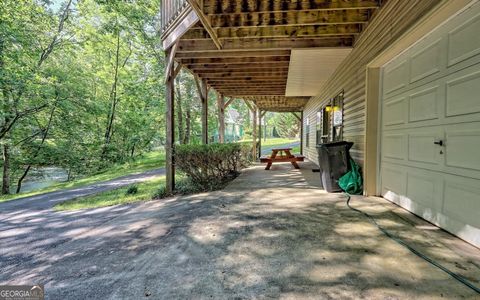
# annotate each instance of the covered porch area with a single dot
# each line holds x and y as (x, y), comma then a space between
(278, 234)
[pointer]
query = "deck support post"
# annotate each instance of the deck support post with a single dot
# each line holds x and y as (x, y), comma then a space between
(260, 116)
(205, 113)
(301, 133)
(221, 117)
(170, 120)
(254, 132)
(203, 90)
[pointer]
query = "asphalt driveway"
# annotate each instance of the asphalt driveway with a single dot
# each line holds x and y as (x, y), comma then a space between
(267, 235)
(48, 200)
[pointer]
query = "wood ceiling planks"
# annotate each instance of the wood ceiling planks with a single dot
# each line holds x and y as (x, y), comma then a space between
(256, 39)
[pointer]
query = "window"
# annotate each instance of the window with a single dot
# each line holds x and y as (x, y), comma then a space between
(307, 133)
(337, 119)
(330, 120)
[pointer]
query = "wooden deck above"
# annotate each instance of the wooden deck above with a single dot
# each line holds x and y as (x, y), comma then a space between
(241, 48)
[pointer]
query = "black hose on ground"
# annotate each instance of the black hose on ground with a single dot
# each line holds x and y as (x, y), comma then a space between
(456, 276)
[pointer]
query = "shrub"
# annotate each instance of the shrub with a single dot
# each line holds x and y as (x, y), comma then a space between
(210, 166)
(183, 186)
(132, 190)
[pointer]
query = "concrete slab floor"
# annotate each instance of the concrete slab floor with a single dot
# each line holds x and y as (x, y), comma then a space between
(269, 234)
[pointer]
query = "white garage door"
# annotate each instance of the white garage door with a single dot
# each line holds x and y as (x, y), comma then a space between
(430, 137)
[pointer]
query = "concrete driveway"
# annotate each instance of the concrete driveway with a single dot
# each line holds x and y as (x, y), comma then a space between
(269, 234)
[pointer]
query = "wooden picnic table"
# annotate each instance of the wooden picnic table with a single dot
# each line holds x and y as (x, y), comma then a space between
(285, 156)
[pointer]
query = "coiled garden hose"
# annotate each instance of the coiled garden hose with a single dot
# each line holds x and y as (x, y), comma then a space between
(456, 276)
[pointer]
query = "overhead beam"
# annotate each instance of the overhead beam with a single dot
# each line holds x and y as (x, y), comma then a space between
(225, 54)
(240, 6)
(290, 18)
(279, 44)
(270, 69)
(223, 67)
(240, 74)
(276, 31)
(235, 60)
(205, 22)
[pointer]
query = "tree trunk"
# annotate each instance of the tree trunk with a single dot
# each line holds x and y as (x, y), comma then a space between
(178, 102)
(6, 171)
(188, 124)
(113, 98)
(44, 137)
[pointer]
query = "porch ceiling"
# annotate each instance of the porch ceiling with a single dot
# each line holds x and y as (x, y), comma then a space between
(242, 48)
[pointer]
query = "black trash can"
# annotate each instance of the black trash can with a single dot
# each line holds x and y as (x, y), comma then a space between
(333, 160)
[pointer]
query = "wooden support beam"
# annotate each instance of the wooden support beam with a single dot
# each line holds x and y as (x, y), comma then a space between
(221, 117)
(236, 68)
(205, 112)
(260, 43)
(206, 23)
(291, 18)
(177, 70)
(234, 54)
(297, 116)
(203, 88)
(235, 60)
(229, 102)
(245, 7)
(254, 131)
(301, 133)
(272, 73)
(250, 107)
(170, 126)
(277, 31)
(170, 61)
(260, 115)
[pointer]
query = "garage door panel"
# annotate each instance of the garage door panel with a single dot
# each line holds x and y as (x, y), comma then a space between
(462, 148)
(423, 105)
(394, 178)
(422, 148)
(463, 90)
(396, 77)
(394, 112)
(395, 146)
(426, 188)
(463, 41)
(426, 62)
(462, 201)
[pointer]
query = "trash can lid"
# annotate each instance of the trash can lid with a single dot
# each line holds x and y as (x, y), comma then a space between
(335, 144)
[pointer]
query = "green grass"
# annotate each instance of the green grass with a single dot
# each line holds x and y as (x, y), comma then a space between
(278, 142)
(149, 161)
(146, 190)
(275, 141)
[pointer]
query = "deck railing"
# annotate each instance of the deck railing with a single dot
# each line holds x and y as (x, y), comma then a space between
(171, 10)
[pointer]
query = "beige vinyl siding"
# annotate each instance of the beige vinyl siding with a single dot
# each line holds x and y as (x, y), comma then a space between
(391, 21)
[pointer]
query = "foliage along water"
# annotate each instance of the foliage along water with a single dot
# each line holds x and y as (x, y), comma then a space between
(42, 177)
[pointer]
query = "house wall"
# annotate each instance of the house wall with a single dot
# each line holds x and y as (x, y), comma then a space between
(391, 21)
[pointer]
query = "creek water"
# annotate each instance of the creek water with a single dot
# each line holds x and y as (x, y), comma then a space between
(41, 177)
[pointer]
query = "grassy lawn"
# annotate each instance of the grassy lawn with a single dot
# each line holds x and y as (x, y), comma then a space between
(275, 141)
(278, 142)
(113, 197)
(149, 161)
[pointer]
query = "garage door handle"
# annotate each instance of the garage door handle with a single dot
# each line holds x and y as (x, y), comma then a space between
(440, 143)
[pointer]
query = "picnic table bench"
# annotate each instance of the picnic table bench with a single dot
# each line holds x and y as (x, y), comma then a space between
(285, 156)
